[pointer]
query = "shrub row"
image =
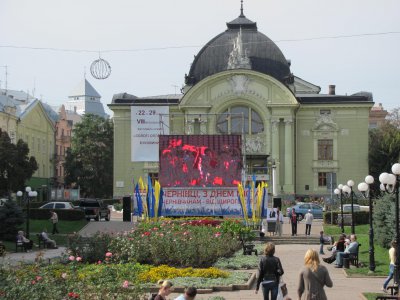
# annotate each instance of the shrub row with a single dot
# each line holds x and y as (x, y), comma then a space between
(360, 217)
(63, 214)
(75, 202)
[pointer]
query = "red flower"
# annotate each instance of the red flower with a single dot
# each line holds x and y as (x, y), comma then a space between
(33, 281)
(38, 278)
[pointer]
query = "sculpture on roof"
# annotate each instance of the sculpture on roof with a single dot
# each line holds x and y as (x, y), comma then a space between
(238, 58)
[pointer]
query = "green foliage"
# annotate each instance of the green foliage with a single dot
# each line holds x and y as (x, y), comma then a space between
(63, 214)
(199, 282)
(182, 244)
(11, 218)
(239, 261)
(61, 281)
(360, 217)
(16, 166)
(384, 220)
(91, 249)
(384, 149)
(89, 163)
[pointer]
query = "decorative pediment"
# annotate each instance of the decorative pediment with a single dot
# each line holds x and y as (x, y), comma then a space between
(255, 145)
(325, 123)
(239, 84)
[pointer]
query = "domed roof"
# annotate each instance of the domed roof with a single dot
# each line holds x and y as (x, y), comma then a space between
(252, 48)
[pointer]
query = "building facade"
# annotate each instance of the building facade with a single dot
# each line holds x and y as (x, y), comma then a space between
(300, 141)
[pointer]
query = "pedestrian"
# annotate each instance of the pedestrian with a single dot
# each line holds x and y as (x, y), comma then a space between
(293, 221)
(313, 277)
(279, 222)
(54, 221)
(165, 289)
(309, 219)
(392, 257)
(321, 242)
(190, 294)
(269, 272)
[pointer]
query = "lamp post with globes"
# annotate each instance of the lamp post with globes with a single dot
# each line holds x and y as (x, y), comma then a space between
(348, 192)
(27, 198)
(365, 189)
(390, 183)
(338, 191)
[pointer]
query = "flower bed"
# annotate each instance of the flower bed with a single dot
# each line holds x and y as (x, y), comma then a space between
(121, 268)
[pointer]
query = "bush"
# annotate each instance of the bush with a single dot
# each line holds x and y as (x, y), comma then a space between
(182, 244)
(11, 218)
(384, 220)
(91, 249)
(63, 214)
(360, 217)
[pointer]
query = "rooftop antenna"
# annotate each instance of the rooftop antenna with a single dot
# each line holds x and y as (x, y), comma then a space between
(84, 72)
(34, 87)
(241, 8)
(175, 86)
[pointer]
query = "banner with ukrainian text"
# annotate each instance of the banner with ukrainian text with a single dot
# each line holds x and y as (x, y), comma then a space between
(201, 202)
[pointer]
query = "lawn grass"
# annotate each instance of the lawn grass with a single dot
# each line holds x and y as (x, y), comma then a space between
(381, 254)
(37, 226)
(371, 296)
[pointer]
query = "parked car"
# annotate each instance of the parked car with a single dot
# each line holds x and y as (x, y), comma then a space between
(58, 205)
(95, 209)
(347, 207)
(302, 208)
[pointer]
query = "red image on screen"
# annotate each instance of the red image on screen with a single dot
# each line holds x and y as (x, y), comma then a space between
(200, 160)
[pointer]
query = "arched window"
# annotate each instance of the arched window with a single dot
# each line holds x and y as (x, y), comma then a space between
(239, 118)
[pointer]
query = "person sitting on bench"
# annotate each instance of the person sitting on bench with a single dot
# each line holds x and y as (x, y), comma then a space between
(47, 240)
(21, 239)
(352, 248)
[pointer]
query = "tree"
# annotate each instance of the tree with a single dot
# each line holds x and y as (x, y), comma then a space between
(384, 220)
(384, 149)
(16, 166)
(11, 218)
(89, 163)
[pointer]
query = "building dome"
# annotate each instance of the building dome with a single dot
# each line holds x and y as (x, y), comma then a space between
(241, 46)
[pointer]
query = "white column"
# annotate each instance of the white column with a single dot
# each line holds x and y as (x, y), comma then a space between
(275, 155)
(288, 152)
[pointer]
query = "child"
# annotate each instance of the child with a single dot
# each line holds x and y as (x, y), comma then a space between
(321, 242)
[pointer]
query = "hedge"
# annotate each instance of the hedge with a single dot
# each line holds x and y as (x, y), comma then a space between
(63, 214)
(360, 217)
(75, 202)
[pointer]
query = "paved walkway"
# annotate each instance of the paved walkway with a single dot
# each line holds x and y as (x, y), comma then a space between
(292, 257)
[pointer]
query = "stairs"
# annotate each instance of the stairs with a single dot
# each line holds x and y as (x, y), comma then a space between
(288, 239)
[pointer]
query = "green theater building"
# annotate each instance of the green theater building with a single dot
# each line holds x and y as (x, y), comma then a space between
(297, 139)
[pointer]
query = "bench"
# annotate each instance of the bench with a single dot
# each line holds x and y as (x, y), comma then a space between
(353, 257)
(393, 289)
(386, 297)
(19, 245)
(248, 248)
(41, 241)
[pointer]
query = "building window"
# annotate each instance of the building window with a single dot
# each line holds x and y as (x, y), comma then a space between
(325, 112)
(325, 149)
(196, 126)
(322, 179)
(238, 120)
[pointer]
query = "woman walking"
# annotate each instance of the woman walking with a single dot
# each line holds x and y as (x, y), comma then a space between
(392, 256)
(165, 289)
(313, 277)
(269, 272)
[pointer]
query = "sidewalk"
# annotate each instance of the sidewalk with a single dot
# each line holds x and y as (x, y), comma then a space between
(30, 257)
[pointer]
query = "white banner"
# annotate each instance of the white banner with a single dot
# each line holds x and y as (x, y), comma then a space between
(145, 129)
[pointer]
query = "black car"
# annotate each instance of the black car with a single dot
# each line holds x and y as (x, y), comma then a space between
(95, 209)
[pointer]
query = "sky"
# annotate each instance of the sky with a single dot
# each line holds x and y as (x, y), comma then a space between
(159, 39)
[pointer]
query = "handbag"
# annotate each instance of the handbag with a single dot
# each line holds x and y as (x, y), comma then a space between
(282, 290)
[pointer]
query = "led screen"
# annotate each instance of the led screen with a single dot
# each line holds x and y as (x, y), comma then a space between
(200, 160)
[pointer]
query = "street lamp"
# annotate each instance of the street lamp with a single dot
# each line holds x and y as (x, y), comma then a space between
(390, 183)
(348, 192)
(27, 197)
(365, 189)
(339, 191)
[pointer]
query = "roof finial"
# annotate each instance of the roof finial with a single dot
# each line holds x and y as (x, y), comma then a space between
(241, 8)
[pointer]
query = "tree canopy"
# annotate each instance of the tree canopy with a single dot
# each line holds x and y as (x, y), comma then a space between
(384, 146)
(89, 162)
(16, 166)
